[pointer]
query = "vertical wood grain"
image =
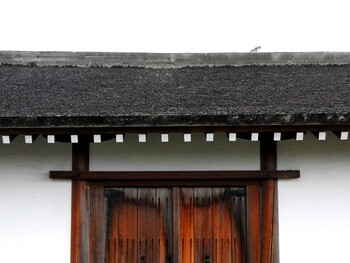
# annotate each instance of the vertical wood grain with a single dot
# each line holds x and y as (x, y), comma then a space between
(186, 225)
(203, 224)
(164, 225)
(80, 206)
(97, 225)
(177, 234)
(222, 227)
(268, 162)
(238, 217)
(146, 223)
(112, 229)
(189, 224)
(139, 225)
(128, 227)
(253, 224)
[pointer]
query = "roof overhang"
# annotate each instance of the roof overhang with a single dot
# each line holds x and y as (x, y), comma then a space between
(108, 93)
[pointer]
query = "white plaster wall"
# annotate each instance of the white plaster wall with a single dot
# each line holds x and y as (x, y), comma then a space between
(34, 210)
(314, 210)
(175, 155)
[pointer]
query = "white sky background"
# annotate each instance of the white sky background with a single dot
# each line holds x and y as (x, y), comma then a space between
(175, 26)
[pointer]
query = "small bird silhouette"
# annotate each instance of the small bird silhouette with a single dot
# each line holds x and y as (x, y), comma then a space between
(254, 50)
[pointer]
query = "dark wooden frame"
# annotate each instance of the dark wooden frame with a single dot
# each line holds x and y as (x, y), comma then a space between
(185, 176)
(88, 187)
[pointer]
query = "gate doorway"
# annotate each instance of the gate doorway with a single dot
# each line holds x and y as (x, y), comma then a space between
(175, 216)
(180, 224)
(204, 224)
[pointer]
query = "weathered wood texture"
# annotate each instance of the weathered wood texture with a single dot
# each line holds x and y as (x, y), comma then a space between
(166, 222)
(80, 223)
(206, 226)
(268, 161)
(139, 225)
(253, 224)
(97, 232)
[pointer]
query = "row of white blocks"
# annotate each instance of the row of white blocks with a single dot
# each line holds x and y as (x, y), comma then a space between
(209, 137)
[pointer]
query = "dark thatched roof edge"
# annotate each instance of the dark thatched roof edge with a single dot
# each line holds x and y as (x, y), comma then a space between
(111, 91)
(235, 122)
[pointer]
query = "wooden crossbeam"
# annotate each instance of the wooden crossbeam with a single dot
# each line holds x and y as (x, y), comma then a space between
(175, 175)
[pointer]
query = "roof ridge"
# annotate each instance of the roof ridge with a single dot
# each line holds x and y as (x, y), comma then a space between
(169, 60)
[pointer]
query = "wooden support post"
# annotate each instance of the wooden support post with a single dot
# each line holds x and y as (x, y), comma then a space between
(97, 234)
(80, 205)
(176, 224)
(268, 162)
(253, 224)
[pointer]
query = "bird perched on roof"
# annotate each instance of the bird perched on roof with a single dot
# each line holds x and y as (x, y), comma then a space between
(254, 50)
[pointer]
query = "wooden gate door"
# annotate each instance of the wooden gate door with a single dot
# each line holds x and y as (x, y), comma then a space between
(186, 225)
(139, 225)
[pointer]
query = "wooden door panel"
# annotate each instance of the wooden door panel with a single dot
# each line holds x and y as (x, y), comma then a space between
(140, 225)
(238, 230)
(222, 228)
(186, 215)
(164, 225)
(122, 226)
(211, 226)
(146, 224)
(203, 224)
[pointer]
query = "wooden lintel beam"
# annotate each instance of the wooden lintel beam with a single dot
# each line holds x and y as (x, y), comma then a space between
(176, 175)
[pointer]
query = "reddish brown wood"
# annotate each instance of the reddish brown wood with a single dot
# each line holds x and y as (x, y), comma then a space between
(80, 206)
(209, 230)
(138, 228)
(222, 228)
(80, 222)
(176, 175)
(97, 226)
(128, 241)
(228, 232)
(268, 224)
(238, 207)
(164, 223)
(176, 227)
(268, 161)
(203, 227)
(122, 227)
(187, 225)
(146, 224)
(206, 225)
(253, 224)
